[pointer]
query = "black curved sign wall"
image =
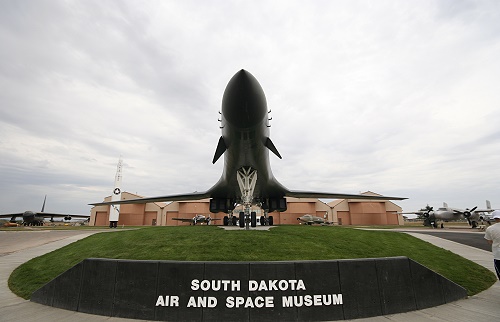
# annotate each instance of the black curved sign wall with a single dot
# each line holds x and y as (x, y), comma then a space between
(248, 291)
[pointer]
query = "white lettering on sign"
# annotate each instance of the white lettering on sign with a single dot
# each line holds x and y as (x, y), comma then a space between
(312, 300)
(168, 300)
(202, 301)
(276, 285)
(249, 302)
(215, 285)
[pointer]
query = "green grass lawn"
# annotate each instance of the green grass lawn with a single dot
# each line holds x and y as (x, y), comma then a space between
(210, 243)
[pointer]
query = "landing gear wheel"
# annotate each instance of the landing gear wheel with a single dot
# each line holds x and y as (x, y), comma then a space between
(234, 220)
(270, 220)
(253, 219)
(242, 219)
(226, 221)
(262, 221)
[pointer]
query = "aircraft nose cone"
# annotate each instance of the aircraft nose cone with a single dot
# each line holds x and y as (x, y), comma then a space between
(244, 102)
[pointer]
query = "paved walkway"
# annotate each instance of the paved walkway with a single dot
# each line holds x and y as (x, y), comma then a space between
(481, 307)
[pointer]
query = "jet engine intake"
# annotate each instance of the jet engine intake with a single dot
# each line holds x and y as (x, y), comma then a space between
(221, 205)
(277, 204)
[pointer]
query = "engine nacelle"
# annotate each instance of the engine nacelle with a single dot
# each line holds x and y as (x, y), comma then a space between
(276, 204)
(221, 205)
(67, 218)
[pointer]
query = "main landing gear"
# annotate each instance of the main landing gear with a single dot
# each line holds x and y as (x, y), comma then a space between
(230, 220)
(247, 180)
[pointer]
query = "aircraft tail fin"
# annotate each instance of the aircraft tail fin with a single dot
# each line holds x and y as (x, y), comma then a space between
(270, 145)
(445, 205)
(221, 148)
(43, 206)
(488, 204)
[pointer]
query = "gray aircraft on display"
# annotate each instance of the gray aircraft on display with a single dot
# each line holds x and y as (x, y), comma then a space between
(310, 220)
(198, 219)
(446, 213)
(247, 178)
(33, 218)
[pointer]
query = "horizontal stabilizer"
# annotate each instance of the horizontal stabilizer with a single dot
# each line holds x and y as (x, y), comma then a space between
(221, 148)
(270, 145)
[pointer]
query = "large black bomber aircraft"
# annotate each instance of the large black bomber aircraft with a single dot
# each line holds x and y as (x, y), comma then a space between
(247, 178)
(33, 218)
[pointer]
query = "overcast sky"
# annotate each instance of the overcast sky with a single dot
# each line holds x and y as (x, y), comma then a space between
(401, 98)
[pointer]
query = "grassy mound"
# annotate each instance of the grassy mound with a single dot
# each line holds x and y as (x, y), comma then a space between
(210, 243)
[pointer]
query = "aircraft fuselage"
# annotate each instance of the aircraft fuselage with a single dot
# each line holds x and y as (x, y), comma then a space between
(245, 134)
(309, 220)
(31, 218)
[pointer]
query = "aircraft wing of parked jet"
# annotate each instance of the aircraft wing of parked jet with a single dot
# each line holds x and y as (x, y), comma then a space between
(245, 142)
(476, 210)
(422, 212)
(287, 193)
(36, 218)
(43, 214)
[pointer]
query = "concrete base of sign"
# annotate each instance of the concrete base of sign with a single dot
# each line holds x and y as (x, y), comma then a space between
(248, 291)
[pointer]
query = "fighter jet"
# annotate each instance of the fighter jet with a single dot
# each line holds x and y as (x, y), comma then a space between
(446, 213)
(245, 142)
(32, 218)
(309, 220)
(197, 219)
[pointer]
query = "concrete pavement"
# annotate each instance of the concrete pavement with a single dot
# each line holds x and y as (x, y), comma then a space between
(14, 308)
(481, 307)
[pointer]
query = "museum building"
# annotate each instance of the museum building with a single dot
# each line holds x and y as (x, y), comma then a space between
(340, 212)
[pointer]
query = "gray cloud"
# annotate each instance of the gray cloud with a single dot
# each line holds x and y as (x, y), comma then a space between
(395, 97)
